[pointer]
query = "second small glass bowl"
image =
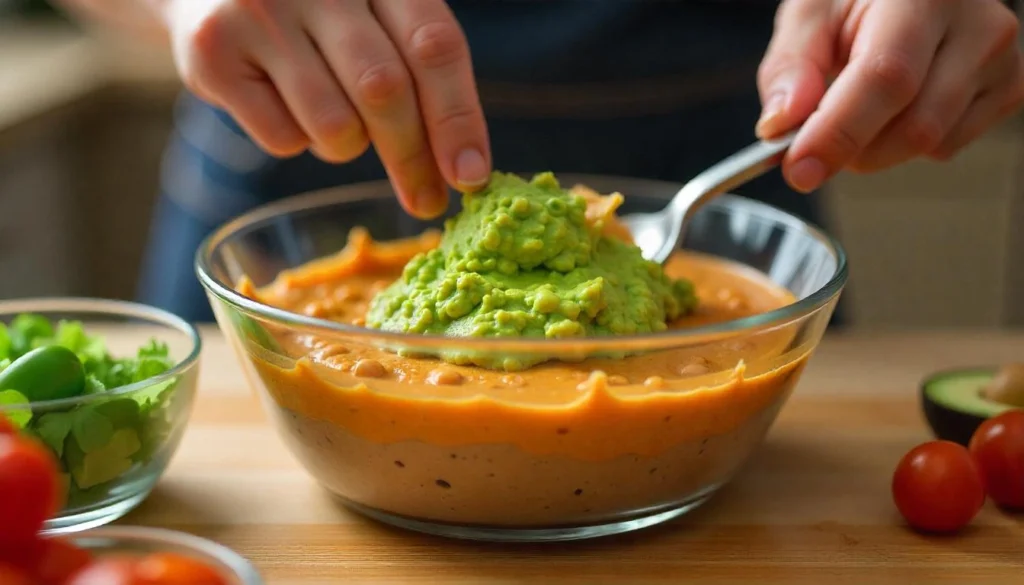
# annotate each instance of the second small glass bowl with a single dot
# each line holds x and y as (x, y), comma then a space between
(133, 540)
(102, 489)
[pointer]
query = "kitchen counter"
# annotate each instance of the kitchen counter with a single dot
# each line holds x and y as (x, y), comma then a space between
(812, 506)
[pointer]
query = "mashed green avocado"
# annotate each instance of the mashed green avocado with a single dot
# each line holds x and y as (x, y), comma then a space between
(521, 260)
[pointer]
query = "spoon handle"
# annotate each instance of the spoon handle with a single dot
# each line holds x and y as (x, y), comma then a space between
(747, 164)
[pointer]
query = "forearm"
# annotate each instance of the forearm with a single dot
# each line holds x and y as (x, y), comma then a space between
(141, 17)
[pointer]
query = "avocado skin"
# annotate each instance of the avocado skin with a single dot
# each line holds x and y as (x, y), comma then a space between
(948, 424)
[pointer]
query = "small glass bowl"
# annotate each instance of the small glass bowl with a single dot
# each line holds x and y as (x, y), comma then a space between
(136, 540)
(111, 479)
(483, 459)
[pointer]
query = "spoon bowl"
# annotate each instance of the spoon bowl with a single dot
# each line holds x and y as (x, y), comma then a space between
(659, 234)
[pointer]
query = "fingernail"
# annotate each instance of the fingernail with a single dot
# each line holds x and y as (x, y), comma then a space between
(471, 168)
(768, 124)
(430, 202)
(807, 174)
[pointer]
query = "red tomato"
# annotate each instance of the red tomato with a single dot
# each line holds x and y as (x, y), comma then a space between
(11, 575)
(172, 569)
(998, 447)
(28, 488)
(59, 561)
(6, 426)
(111, 570)
(24, 554)
(938, 487)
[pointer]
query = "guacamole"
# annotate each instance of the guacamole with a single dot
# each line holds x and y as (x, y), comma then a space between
(522, 260)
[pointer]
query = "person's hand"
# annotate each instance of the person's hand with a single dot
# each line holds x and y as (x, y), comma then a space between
(333, 76)
(911, 78)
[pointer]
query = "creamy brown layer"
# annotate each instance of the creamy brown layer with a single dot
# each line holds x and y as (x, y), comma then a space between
(500, 485)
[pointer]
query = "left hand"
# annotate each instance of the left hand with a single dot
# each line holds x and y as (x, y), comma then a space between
(911, 78)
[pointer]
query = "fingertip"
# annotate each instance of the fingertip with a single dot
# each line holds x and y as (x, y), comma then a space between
(283, 148)
(343, 148)
(429, 202)
(423, 196)
(772, 122)
(472, 171)
(806, 174)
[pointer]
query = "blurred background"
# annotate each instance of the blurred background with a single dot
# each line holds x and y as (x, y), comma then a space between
(85, 115)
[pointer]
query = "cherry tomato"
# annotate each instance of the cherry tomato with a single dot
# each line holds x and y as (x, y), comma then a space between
(172, 569)
(59, 561)
(28, 488)
(11, 575)
(998, 447)
(23, 554)
(6, 426)
(937, 487)
(112, 570)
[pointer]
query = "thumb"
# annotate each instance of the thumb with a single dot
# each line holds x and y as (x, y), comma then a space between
(792, 76)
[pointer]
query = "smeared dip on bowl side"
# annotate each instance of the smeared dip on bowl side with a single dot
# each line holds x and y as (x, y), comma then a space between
(468, 437)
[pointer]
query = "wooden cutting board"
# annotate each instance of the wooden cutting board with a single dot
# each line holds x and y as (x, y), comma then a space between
(813, 505)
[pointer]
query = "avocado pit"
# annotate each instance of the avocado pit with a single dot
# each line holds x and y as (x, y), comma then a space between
(956, 402)
(1007, 386)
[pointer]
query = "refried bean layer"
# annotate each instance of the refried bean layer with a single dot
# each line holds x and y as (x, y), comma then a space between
(502, 485)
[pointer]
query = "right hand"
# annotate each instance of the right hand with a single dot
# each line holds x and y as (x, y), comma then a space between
(332, 76)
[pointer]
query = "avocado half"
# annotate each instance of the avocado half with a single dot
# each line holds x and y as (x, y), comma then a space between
(954, 405)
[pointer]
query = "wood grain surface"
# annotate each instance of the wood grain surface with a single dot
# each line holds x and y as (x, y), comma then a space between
(812, 506)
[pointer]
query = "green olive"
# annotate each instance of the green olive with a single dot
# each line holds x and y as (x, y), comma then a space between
(46, 373)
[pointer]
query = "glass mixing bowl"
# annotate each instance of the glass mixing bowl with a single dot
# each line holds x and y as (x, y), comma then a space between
(522, 456)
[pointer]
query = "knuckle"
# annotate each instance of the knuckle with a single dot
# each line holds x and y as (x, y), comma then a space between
(312, 87)
(437, 44)
(333, 121)
(457, 115)
(197, 73)
(1005, 27)
(923, 132)
(413, 162)
(895, 75)
(841, 143)
(210, 35)
(382, 84)
(202, 52)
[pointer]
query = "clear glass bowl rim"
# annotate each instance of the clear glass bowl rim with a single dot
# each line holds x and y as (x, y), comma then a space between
(112, 308)
(369, 190)
(239, 565)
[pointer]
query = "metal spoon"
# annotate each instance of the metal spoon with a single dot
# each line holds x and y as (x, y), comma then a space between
(659, 234)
